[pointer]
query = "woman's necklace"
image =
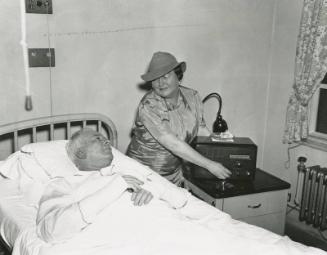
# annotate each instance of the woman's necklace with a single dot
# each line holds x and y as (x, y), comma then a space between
(173, 103)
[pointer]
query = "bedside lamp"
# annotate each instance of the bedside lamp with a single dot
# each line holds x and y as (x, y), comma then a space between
(219, 125)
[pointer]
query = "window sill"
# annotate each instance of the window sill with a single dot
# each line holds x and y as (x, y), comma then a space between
(315, 142)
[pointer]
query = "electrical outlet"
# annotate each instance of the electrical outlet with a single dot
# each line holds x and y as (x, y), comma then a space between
(38, 6)
(41, 57)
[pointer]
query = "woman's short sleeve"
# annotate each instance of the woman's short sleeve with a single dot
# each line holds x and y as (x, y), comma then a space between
(154, 118)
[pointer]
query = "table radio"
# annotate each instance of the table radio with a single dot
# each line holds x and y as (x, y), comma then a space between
(239, 155)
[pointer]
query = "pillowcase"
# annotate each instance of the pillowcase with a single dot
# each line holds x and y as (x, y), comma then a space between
(51, 157)
(22, 167)
(9, 167)
(34, 165)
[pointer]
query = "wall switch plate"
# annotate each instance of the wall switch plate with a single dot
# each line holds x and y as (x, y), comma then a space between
(38, 6)
(41, 57)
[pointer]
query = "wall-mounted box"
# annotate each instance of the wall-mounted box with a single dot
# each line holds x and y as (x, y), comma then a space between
(41, 57)
(38, 6)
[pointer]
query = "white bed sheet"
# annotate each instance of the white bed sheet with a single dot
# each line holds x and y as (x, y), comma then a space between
(125, 229)
(16, 213)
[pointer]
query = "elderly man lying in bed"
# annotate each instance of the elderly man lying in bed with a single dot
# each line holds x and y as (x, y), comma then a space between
(94, 209)
(71, 204)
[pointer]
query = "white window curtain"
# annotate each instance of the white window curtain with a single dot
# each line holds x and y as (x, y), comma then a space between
(310, 68)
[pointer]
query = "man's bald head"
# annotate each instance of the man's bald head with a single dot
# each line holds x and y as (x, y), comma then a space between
(89, 150)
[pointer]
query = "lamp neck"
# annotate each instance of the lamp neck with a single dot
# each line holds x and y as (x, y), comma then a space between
(216, 95)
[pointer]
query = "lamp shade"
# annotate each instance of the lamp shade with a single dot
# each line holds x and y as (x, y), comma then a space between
(219, 125)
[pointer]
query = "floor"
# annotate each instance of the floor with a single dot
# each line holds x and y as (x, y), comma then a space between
(306, 238)
(304, 233)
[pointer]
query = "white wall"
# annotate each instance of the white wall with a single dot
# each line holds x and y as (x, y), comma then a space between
(285, 31)
(103, 47)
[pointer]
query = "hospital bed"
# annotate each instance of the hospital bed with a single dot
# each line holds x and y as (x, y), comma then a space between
(197, 229)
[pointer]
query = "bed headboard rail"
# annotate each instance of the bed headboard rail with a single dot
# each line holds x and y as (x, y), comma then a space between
(51, 128)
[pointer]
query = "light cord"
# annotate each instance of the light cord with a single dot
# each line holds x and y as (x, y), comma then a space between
(50, 60)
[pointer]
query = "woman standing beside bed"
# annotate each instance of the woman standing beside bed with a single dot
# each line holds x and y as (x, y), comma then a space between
(169, 117)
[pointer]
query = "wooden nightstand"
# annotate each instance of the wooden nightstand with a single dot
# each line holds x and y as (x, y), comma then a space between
(261, 202)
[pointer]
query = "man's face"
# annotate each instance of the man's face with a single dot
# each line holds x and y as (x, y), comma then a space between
(98, 150)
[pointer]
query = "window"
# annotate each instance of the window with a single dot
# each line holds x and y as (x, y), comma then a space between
(321, 123)
(318, 117)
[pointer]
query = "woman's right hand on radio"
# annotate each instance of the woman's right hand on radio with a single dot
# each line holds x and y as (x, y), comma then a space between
(219, 170)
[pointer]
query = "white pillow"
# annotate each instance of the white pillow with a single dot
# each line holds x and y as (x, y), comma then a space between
(9, 167)
(22, 170)
(51, 157)
(35, 164)
(22, 167)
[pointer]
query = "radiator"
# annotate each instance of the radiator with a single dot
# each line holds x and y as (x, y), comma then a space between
(313, 207)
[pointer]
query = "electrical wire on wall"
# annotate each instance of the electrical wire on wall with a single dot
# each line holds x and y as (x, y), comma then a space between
(28, 97)
(50, 60)
(296, 202)
(287, 166)
(287, 163)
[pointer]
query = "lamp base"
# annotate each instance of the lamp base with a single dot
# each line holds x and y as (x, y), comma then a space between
(220, 125)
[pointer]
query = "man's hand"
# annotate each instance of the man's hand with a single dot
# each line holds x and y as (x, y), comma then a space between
(141, 197)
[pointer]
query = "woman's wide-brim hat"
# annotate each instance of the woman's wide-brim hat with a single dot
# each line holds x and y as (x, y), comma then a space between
(161, 64)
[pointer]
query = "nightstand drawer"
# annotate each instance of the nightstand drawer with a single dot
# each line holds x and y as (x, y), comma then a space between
(255, 204)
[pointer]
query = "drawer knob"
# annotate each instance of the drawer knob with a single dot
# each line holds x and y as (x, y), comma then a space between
(254, 206)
